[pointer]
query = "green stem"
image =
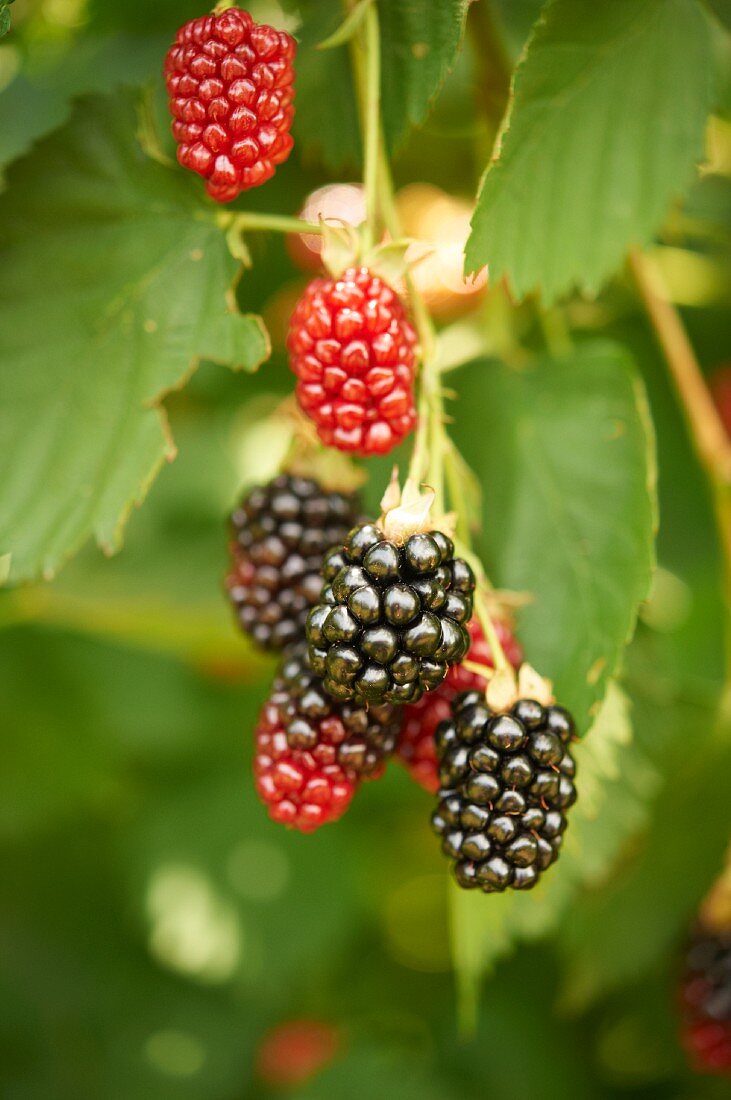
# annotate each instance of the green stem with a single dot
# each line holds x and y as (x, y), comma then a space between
(372, 119)
(275, 223)
(488, 627)
(431, 444)
(493, 63)
(706, 428)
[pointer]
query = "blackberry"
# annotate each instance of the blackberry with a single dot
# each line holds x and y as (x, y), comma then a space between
(391, 618)
(507, 780)
(706, 1000)
(281, 532)
(312, 751)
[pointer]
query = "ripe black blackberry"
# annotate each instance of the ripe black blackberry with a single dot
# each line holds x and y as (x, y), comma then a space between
(391, 618)
(507, 780)
(281, 533)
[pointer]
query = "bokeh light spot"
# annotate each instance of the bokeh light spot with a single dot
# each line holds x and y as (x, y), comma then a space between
(193, 930)
(175, 1053)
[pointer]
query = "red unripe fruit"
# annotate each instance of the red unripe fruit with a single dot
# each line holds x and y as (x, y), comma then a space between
(353, 351)
(292, 1052)
(230, 89)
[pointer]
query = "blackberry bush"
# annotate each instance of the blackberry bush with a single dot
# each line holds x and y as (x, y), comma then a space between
(392, 617)
(506, 784)
(281, 532)
(312, 751)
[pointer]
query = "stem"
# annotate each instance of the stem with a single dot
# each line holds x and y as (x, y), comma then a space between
(276, 223)
(366, 56)
(488, 627)
(484, 671)
(706, 427)
(431, 444)
(707, 431)
(372, 118)
(492, 61)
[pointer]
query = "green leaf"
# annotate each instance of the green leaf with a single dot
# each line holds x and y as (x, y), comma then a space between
(5, 21)
(722, 10)
(121, 282)
(615, 782)
(420, 40)
(348, 28)
(606, 123)
(326, 121)
(419, 44)
(563, 450)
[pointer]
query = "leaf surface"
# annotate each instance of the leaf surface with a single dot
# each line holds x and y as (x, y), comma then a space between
(564, 452)
(116, 282)
(606, 123)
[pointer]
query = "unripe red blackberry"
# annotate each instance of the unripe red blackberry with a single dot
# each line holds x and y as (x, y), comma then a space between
(312, 751)
(281, 533)
(507, 780)
(229, 83)
(354, 353)
(391, 618)
(706, 1001)
(417, 748)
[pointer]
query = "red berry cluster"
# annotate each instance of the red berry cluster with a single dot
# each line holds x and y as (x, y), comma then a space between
(417, 748)
(230, 88)
(300, 789)
(294, 1051)
(353, 351)
(312, 751)
(706, 1001)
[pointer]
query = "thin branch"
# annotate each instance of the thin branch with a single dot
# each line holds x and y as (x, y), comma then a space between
(707, 430)
(706, 427)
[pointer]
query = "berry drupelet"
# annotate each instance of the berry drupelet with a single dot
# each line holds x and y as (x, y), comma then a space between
(417, 748)
(281, 533)
(392, 618)
(312, 751)
(507, 780)
(353, 351)
(229, 82)
(706, 1001)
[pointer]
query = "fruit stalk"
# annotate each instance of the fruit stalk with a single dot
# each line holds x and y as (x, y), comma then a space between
(275, 223)
(432, 443)
(707, 431)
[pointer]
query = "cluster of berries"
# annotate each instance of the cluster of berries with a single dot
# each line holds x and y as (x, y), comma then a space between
(373, 626)
(506, 782)
(373, 634)
(706, 1000)
(230, 84)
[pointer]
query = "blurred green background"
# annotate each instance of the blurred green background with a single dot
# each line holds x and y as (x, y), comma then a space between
(155, 926)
